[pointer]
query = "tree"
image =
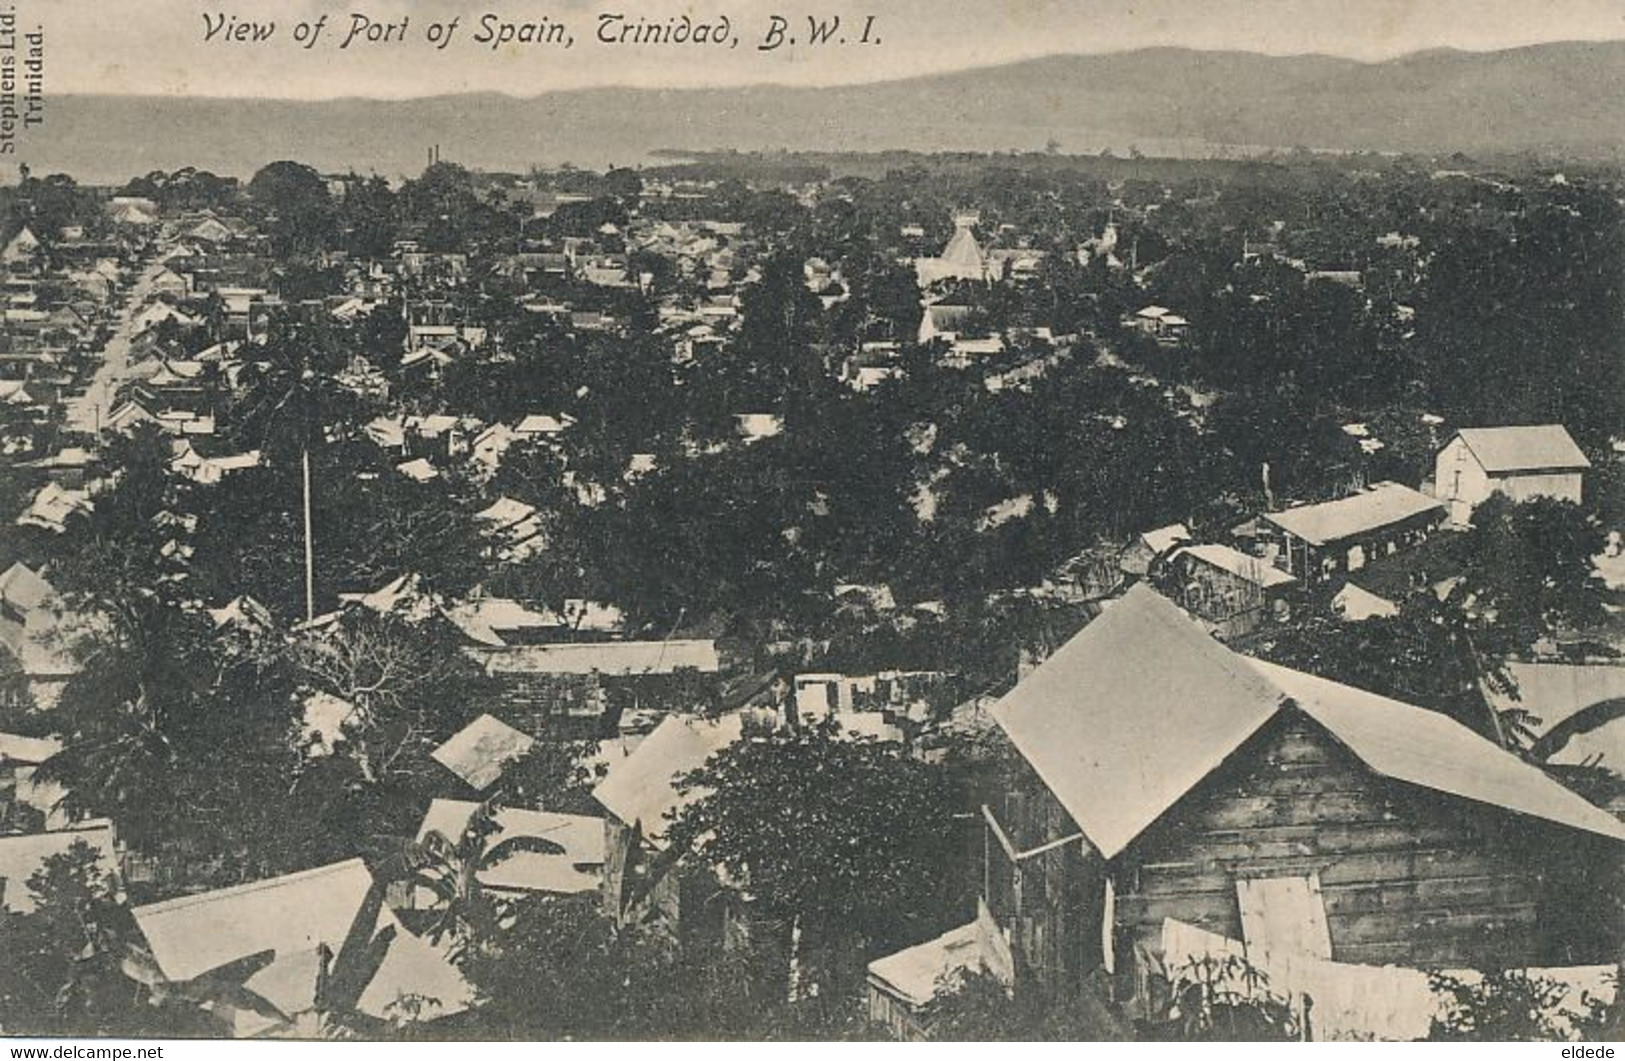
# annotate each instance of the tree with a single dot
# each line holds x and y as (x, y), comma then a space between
(297, 207)
(838, 840)
(1528, 570)
(406, 684)
(61, 975)
(978, 1008)
(449, 870)
(1428, 655)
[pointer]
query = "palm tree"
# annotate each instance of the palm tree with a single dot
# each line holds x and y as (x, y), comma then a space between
(288, 404)
(450, 870)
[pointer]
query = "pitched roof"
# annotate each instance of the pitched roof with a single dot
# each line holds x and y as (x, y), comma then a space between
(918, 973)
(640, 788)
(1426, 748)
(1130, 714)
(294, 915)
(1384, 505)
(1162, 539)
(23, 856)
(1140, 706)
(1540, 447)
(1251, 568)
(962, 249)
(23, 588)
(481, 750)
(570, 872)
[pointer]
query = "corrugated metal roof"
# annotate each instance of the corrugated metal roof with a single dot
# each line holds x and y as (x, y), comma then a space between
(1426, 748)
(1539, 447)
(641, 788)
(1131, 713)
(1333, 521)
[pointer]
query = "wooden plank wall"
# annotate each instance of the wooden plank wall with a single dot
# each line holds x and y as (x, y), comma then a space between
(1407, 878)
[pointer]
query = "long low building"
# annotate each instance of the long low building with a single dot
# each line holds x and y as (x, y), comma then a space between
(621, 659)
(1323, 541)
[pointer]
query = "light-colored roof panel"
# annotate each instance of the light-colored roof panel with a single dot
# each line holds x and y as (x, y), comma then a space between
(1131, 714)
(23, 856)
(481, 750)
(568, 873)
(27, 751)
(1556, 692)
(1384, 505)
(641, 787)
(294, 915)
(919, 972)
(1253, 569)
(1426, 748)
(297, 912)
(1538, 447)
(605, 657)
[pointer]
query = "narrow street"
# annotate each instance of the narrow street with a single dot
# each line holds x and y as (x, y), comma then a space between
(85, 412)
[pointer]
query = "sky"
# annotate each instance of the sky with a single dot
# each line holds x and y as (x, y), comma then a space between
(159, 46)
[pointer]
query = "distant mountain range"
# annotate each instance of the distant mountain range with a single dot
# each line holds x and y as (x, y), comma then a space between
(1562, 98)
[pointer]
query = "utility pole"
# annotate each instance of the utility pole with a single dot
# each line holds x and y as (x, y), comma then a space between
(310, 548)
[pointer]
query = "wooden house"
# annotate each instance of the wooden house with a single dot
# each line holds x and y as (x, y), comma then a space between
(1324, 541)
(1234, 591)
(645, 880)
(1168, 779)
(1521, 463)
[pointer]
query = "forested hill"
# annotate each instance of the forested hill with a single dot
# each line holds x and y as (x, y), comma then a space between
(1561, 97)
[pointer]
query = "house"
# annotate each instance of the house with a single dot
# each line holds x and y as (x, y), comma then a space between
(52, 508)
(1168, 778)
(645, 881)
(754, 427)
(612, 658)
(901, 694)
(1323, 541)
(22, 249)
(305, 921)
(1383, 584)
(166, 282)
(1152, 546)
(1235, 592)
(1160, 323)
(1521, 463)
(902, 986)
(541, 425)
(480, 751)
(513, 528)
(563, 853)
(27, 805)
(23, 856)
(36, 634)
(582, 688)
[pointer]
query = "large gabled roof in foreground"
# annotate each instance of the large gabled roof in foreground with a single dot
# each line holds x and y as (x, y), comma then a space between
(1131, 714)
(1142, 705)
